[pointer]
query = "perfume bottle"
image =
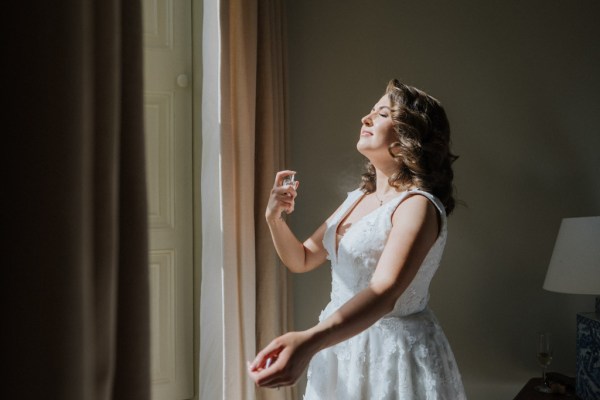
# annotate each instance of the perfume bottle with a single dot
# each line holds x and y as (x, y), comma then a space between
(289, 180)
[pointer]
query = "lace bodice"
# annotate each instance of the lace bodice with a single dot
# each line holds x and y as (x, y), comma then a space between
(403, 356)
(354, 261)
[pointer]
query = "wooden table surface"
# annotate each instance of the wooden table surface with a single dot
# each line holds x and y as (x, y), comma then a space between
(529, 393)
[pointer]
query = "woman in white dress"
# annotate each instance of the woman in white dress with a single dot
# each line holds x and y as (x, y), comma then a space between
(376, 339)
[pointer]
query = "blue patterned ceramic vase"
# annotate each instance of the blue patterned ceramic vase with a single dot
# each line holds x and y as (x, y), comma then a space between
(587, 383)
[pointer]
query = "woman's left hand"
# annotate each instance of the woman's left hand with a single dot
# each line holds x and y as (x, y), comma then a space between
(289, 355)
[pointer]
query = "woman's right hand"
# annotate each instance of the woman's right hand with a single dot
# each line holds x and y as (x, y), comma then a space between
(282, 198)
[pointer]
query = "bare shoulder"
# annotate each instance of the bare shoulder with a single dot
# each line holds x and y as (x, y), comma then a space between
(416, 212)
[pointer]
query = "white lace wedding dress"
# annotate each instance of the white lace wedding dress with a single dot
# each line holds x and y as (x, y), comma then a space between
(403, 356)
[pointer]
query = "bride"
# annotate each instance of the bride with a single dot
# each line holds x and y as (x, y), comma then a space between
(376, 339)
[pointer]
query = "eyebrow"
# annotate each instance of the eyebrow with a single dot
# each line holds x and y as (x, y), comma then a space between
(381, 108)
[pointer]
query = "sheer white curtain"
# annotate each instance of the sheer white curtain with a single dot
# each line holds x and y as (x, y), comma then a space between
(244, 292)
(227, 311)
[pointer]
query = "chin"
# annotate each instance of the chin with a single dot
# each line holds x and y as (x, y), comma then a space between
(366, 147)
(361, 148)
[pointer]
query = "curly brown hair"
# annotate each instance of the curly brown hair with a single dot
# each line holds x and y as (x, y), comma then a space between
(422, 149)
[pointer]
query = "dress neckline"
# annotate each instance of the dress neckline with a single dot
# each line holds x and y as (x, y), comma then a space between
(360, 196)
(350, 208)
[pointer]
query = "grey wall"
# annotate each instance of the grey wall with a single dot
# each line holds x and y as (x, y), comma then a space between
(519, 80)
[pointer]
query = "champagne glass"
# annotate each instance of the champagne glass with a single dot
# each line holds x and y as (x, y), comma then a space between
(544, 357)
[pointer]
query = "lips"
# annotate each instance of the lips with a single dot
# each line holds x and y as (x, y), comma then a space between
(366, 133)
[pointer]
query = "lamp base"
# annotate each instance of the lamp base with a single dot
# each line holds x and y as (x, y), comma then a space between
(587, 381)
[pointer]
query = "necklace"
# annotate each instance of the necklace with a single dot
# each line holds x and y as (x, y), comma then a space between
(392, 192)
(379, 199)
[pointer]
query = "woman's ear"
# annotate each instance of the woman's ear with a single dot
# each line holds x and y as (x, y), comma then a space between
(394, 149)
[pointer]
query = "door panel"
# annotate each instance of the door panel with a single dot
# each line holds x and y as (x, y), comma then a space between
(168, 119)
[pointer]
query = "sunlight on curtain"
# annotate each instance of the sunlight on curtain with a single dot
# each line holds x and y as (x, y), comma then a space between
(227, 315)
(243, 134)
(211, 321)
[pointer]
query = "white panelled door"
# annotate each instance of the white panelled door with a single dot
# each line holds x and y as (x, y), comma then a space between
(168, 118)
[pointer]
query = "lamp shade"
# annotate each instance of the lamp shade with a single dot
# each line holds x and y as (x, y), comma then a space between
(575, 263)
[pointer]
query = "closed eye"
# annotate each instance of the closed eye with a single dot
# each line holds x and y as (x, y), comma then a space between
(382, 111)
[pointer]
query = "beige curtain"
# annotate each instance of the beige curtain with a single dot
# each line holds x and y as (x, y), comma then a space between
(273, 291)
(76, 269)
(244, 294)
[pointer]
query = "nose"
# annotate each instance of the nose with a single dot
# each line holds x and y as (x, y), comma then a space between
(366, 120)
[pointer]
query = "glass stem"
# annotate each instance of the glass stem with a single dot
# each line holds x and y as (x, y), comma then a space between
(544, 376)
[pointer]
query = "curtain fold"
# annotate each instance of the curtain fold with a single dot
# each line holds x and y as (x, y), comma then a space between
(273, 291)
(244, 293)
(77, 275)
(238, 113)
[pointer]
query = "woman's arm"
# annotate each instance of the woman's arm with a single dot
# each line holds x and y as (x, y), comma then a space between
(295, 255)
(414, 230)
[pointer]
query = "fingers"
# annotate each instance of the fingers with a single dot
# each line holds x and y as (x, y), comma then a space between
(286, 191)
(272, 351)
(266, 369)
(284, 200)
(273, 376)
(284, 197)
(287, 366)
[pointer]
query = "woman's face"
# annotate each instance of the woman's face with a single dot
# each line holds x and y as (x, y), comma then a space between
(377, 131)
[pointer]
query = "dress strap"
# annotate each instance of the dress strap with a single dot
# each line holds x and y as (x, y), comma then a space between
(350, 201)
(436, 202)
